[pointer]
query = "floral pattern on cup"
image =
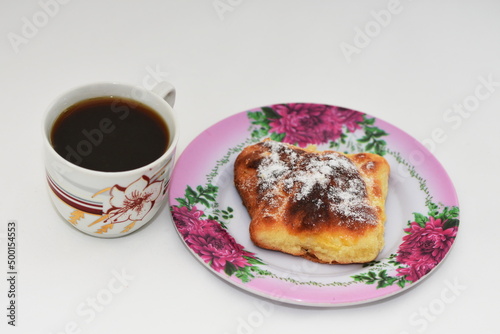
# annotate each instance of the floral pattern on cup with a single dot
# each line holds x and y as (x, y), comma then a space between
(119, 206)
(134, 202)
(131, 204)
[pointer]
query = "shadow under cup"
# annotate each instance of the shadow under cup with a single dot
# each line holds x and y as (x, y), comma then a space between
(109, 204)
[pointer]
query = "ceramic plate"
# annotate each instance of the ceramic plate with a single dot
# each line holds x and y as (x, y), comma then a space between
(422, 207)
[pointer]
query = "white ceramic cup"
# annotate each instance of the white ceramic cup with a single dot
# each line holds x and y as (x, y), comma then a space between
(110, 204)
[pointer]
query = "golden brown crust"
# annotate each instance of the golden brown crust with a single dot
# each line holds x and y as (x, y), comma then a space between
(326, 206)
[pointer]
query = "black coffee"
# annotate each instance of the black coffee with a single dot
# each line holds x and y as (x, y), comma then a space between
(110, 134)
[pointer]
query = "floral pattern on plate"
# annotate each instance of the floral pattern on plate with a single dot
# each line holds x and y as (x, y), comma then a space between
(203, 222)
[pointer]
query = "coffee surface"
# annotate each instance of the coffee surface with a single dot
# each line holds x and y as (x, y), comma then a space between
(110, 134)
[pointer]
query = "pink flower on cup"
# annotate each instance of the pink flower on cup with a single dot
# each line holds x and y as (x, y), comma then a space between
(424, 247)
(134, 202)
(307, 123)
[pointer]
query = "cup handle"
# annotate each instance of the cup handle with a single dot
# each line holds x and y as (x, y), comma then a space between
(166, 91)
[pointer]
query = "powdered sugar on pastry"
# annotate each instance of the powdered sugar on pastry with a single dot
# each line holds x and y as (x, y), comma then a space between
(326, 206)
(330, 181)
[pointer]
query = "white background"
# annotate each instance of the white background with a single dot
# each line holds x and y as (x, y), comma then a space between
(413, 66)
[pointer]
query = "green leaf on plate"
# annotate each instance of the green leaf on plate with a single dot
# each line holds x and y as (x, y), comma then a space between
(270, 113)
(277, 136)
(420, 219)
(230, 268)
(451, 223)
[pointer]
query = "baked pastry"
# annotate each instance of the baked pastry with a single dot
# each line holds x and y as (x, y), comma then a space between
(327, 207)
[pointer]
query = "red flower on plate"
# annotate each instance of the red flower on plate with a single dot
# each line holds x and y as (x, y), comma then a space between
(185, 219)
(307, 123)
(216, 247)
(209, 240)
(424, 247)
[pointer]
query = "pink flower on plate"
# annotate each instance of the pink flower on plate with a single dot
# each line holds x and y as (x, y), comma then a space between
(348, 117)
(134, 202)
(424, 247)
(307, 123)
(186, 220)
(208, 239)
(416, 270)
(216, 247)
